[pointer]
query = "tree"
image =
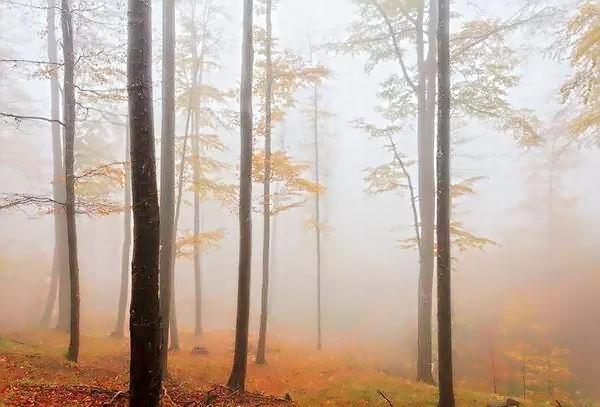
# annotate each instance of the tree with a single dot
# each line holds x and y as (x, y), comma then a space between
(145, 327)
(237, 379)
(264, 299)
(69, 120)
(583, 87)
(59, 262)
(316, 115)
(119, 331)
(444, 259)
(207, 109)
(385, 31)
(167, 176)
(280, 74)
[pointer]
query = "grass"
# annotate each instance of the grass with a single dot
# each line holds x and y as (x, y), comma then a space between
(36, 359)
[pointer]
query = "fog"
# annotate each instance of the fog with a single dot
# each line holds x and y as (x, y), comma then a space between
(532, 284)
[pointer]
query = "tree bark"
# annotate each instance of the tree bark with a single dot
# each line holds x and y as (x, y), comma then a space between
(446, 385)
(119, 331)
(197, 231)
(69, 120)
(426, 181)
(167, 175)
(317, 212)
(264, 299)
(237, 379)
(144, 322)
(60, 272)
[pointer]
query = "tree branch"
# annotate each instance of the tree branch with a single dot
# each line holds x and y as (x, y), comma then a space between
(21, 117)
(396, 45)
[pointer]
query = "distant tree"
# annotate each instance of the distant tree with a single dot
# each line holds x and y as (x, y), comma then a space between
(391, 31)
(282, 74)
(583, 86)
(59, 262)
(318, 115)
(237, 379)
(119, 331)
(167, 175)
(145, 383)
(264, 303)
(206, 106)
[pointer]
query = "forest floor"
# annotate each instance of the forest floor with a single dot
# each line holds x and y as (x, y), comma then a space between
(34, 372)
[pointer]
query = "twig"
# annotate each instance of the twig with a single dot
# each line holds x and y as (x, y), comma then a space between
(115, 397)
(386, 399)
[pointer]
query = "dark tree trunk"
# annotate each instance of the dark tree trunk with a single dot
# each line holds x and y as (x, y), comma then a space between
(237, 379)
(264, 298)
(119, 331)
(144, 321)
(69, 121)
(167, 175)
(446, 384)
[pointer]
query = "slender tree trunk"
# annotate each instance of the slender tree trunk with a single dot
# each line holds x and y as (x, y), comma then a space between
(119, 331)
(52, 291)
(167, 175)
(426, 180)
(493, 366)
(524, 377)
(317, 212)
(197, 231)
(264, 299)
(60, 271)
(444, 288)
(173, 312)
(69, 120)
(237, 379)
(144, 322)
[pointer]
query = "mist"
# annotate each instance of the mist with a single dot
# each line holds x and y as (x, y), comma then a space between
(524, 224)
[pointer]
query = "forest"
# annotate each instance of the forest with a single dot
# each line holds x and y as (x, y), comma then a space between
(311, 203)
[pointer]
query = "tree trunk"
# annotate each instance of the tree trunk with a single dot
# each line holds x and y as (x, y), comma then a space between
(167, 175)
(426, 119)
(197, 231)
(237, 379)
(444, 294)
(317, 212)
(69, 121)
(60, 271)
(144, 322)
(264, 299)
(119, 331)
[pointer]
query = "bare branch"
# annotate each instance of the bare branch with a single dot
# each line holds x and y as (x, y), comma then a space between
(22, 117)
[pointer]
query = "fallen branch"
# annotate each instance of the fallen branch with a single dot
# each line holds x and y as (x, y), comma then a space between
(385, 397)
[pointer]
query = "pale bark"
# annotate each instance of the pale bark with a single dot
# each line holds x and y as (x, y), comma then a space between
(264, 299)
(119, 331)
(167, 176)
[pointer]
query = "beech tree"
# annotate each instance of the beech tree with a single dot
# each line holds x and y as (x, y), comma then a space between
(145, 382)
(167, 175)
(59, 275)
(280, 74)
(387, 31)
(444, 259)
(237, 378)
